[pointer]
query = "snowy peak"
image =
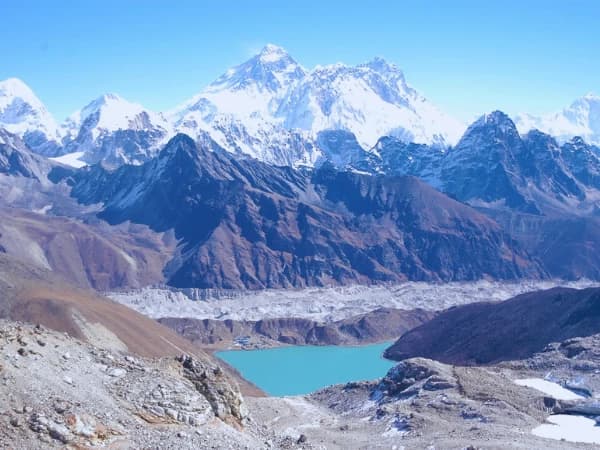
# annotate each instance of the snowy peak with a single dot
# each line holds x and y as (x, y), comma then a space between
(110, 112)
(115, 131)
(495, 119)
(370, 100)
(22, 113)
(12, 88)
(581, 118)
(272, 53)
(271, 108)
(491, 128)
(270, 70)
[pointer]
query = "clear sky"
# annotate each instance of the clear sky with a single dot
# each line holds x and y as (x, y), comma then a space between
(468, 57)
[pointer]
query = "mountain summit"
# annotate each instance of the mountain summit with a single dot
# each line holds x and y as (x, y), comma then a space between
(116, 131)
(23, 114)
(270, 103)
(581, 118)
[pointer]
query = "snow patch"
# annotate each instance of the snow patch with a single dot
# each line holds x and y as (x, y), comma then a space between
(71, 159)
(549, 388)
(569, 428)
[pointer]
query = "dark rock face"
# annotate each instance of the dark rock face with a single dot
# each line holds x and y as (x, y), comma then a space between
(245, 224)
(341, 149)
(483, 333)
(583, 160)
(492, 163)
(542, 194)
(16, 159)
(375, 326)
(568, 246)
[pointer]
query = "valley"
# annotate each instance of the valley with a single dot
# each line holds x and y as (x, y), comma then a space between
(298, 258)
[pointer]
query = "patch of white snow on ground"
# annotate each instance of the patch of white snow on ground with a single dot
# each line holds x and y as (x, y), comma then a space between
(569, 428)
(547, 387)
(71, 159)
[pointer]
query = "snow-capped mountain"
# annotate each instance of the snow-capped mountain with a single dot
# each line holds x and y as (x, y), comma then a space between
(263, 106)
(24, 115)
(370, 100)
(115, 131)
(239, 110)
(581, 118)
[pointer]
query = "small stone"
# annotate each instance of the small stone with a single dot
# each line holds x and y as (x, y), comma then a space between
(68, 380)
(41, 343)
(22, 351)
(66, 356)
(60, 407)
(15, 422)
(117, 372)
(302, 439)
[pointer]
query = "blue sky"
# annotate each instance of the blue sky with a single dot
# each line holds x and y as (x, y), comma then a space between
(468, 57)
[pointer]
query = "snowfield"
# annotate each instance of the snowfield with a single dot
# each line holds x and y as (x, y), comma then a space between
(554, 390)
(321, 304)
(570, 428)
(71, 159)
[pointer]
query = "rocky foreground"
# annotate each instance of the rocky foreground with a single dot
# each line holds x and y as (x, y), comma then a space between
(57, 392)
(422, 403)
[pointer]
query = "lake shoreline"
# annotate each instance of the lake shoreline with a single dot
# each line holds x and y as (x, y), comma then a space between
(303, 369)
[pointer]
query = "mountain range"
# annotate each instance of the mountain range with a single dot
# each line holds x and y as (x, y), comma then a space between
(497, 205)
(277, 176)
(269, 108)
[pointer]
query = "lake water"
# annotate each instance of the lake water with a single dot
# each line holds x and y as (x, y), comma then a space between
(303, 369)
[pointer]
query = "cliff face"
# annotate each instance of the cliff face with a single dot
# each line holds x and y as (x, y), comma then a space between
(482, 333)
(244, 224)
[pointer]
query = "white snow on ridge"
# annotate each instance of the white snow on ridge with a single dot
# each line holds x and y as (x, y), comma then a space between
(21, 111)
(264, 99)
(71, 159)
(320, 304)
(110, 112)
(554, 390)
(581, 118)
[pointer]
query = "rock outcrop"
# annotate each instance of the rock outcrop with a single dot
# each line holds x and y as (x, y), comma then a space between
(482, 333)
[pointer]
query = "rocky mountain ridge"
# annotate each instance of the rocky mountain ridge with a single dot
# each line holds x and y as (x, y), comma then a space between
(267, 226)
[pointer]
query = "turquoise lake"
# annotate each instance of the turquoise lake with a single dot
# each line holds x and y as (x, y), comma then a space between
(300, 370)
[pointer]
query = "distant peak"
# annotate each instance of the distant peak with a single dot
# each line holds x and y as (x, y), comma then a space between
(108, 97)
(14, 87)
(380, 64)
(104, 100)
(271, 53)
(179, 144)
(112, 96)
(495, 117)
(271, 68)
(16, 83)
(591, 96)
